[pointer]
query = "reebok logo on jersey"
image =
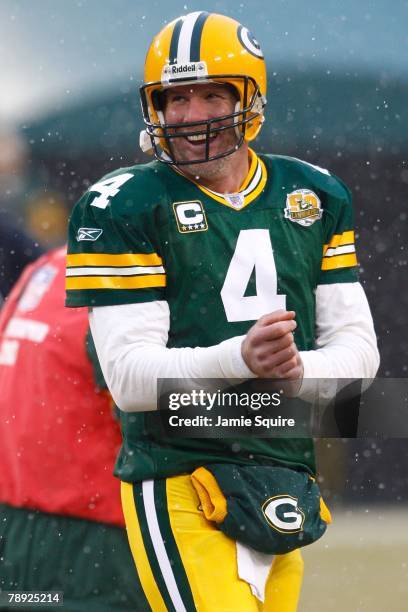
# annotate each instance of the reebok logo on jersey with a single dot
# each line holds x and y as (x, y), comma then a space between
(283, 514)
(88, 233)
(303, 207)
(190, 217)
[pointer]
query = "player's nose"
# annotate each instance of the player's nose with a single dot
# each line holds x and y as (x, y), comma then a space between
(197, 109)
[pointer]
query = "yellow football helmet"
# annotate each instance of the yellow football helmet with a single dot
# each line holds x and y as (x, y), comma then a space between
(197, 48)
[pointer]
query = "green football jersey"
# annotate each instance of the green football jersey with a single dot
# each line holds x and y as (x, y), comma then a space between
(148, 233)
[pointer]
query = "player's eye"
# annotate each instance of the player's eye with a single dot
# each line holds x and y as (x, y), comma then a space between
(175, 100)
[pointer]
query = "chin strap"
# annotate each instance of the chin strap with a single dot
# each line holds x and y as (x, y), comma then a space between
(258, 107)
(145, 142)
(236, 129)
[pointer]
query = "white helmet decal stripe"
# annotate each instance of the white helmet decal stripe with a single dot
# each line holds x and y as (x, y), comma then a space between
(184, 43)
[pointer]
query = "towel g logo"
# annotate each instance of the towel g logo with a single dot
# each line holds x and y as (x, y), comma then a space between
(276, 513)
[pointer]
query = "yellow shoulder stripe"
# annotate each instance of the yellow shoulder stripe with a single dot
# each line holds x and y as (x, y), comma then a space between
(105, 259)
(339, 261)
(340, 240)
(116, 282)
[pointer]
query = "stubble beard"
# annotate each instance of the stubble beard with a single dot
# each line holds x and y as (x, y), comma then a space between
(211, 170)
(208, 170)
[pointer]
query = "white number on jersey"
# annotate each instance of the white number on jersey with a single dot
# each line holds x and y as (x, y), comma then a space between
(253, 250)
(108, 188)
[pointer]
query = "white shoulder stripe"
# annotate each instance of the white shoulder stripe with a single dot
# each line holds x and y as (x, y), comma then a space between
(340, 250)
(158, 545)
(114, 271)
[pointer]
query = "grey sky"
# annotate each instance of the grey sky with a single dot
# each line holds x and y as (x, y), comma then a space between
(55, 51)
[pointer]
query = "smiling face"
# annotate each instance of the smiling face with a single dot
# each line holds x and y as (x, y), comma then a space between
(184, 104)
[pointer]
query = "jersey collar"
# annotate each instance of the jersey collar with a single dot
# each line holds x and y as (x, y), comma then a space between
(249, 190)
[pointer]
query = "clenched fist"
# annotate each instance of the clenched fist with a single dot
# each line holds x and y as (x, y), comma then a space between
(269, 349)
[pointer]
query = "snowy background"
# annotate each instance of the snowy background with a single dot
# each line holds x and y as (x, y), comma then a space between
(55, 52)
(338, 83)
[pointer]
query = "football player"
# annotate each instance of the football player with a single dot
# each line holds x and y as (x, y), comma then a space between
(164, 254)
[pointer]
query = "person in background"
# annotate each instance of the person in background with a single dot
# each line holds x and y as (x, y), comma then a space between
(17, 247)
(61, 525)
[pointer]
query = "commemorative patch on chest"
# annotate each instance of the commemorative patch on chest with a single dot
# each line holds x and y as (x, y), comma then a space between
(303, 207)
(190, 217)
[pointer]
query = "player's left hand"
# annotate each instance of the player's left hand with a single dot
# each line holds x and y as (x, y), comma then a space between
(270, 351)
(269, 348)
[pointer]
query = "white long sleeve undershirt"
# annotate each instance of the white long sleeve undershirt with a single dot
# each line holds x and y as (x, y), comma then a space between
(131, 344)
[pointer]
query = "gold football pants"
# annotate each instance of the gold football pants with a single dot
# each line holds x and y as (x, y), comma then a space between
(185, 564)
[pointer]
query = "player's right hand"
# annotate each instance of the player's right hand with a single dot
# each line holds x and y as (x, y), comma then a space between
(269, 349)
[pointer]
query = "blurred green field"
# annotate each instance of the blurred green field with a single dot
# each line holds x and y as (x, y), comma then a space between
(360, 565)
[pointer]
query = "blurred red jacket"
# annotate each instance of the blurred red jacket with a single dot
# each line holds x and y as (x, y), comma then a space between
(58, 435)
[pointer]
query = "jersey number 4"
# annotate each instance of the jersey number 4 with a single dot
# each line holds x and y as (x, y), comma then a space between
(108, 188)
(253, 250)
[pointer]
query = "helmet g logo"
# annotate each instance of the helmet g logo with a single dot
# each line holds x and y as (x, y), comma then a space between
(281, 520)
(249, 42)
